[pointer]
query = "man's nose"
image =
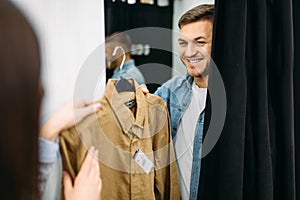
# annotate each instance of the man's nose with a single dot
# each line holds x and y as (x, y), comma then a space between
(191, 50)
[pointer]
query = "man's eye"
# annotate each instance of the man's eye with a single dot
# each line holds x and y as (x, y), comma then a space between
(201, 43)
(182, 43)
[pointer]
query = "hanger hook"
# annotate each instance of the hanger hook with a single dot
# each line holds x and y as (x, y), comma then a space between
(124, 55)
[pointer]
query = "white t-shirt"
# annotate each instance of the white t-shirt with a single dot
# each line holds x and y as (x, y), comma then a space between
(185, 138)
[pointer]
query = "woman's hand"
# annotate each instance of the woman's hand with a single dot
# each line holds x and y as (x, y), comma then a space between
(87, 184)
(66, 118)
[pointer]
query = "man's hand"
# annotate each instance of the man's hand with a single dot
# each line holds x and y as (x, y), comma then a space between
(87, 184)
(144, 89)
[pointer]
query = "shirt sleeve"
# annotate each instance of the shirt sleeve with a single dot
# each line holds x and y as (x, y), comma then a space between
(166, 177)
(50, 172)
(158, 92)
(48, 151)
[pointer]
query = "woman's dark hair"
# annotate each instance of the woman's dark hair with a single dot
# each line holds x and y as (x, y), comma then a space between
(20, 91)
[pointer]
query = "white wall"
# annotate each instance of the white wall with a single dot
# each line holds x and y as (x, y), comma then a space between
(180, 7)
(68, 31)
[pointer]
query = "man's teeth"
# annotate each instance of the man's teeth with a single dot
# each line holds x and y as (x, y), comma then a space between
(194, 60)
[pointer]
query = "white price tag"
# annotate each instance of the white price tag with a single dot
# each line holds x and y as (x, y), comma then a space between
(143, 161)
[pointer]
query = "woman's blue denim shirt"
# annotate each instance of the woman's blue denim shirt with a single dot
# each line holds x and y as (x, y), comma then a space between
(50, 169)
(177, 94)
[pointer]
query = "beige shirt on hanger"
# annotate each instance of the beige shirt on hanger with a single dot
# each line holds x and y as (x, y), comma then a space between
(127, 121)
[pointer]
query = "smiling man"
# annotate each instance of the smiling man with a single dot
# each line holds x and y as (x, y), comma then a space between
(185, 96)
(195, 48)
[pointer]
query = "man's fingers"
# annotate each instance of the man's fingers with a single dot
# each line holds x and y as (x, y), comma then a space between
(144, 89)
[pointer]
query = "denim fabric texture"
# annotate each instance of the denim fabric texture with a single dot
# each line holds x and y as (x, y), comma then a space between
(177, 94)
(129, 70)
(50, 173)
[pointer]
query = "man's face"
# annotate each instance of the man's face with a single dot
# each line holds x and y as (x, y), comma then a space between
(194, 46)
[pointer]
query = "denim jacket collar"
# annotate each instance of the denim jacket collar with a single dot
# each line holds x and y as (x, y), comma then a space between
(190, 80)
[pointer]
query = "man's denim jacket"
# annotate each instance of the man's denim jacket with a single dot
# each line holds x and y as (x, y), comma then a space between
(177, 94)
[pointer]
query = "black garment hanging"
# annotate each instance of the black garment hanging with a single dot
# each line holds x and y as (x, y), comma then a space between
(256, 49)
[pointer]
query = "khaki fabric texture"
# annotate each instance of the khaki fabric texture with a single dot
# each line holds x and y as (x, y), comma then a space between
(118, 131)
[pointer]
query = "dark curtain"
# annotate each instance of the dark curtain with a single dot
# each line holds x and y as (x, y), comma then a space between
(256, 49)
(121, 16)
(296, 15)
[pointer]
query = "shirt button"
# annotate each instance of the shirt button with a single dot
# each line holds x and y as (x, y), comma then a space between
(184, 104)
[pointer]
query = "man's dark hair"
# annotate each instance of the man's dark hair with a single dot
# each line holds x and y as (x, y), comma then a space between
(120, 39)
(201, 12)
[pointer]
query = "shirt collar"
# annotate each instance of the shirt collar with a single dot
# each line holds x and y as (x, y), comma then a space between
(190, 79)
(124, 116)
